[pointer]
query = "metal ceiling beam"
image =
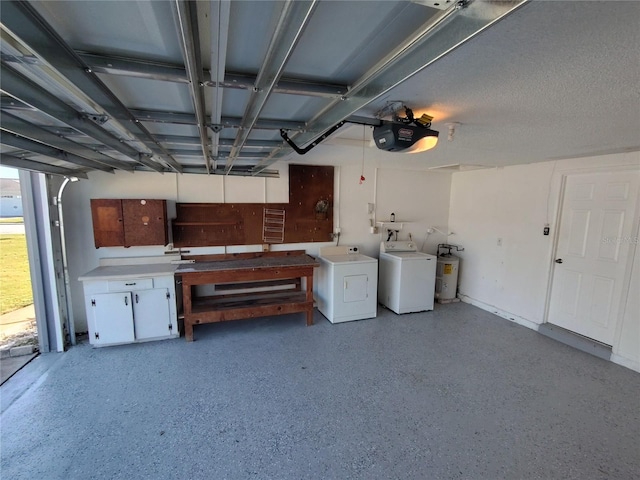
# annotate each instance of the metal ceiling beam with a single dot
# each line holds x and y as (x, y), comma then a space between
(20, 87)
(239, 171)
(431, 41)
(22, 143)
(131, 67)
(33, 166)
(23, 128)
(190, 42)
(226, 122)
(290, 86)
(253, 143)
(220, 14)
(293, 19)
(27, 26)
(223, 154)
(184, 140)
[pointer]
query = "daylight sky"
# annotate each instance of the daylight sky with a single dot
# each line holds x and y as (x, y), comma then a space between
(6, 172)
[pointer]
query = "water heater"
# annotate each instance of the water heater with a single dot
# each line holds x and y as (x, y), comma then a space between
(447, 273)
(447, 277)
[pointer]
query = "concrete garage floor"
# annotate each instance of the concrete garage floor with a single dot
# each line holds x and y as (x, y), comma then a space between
(454, 393)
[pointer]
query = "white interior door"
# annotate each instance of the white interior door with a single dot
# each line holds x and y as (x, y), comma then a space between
(594, 244)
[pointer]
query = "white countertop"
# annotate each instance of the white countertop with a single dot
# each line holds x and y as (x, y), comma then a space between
(129, 271)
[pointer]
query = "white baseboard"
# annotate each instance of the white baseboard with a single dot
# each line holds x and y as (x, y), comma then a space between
(626, 362)
(501, 313)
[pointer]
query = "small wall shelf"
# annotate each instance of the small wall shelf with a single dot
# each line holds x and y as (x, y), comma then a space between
(390, 225)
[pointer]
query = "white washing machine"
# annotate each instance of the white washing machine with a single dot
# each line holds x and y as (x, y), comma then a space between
(407, 278)
(347, 284)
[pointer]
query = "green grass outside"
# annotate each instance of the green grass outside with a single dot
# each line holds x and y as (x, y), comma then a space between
(12, 220)
(15, 282)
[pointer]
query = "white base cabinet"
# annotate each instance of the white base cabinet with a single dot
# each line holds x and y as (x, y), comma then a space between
(130, 310)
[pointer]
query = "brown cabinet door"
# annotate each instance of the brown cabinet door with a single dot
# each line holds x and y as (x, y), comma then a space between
(108, 227)
(145, 222)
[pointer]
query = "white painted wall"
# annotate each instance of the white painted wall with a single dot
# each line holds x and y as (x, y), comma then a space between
(513, 204)
(420, 197)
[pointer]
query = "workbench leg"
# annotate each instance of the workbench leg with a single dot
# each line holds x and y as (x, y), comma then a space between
(309, 285)
(188, 331)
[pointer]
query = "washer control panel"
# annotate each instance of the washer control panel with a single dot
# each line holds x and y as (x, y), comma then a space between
(400, 246)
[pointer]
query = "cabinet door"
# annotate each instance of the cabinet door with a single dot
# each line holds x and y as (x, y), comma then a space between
(111, 315)
(151, 314)
(108, 228)
(145, 222)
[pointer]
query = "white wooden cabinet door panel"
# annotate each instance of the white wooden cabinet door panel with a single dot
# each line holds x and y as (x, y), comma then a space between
(111, 315)
(151, 314)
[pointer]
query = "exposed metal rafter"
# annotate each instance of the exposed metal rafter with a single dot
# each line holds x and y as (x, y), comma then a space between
(25, 144)
(426, 45)
(223, 154)
(239, 171)
(292, 22)
(220, 12)
(113, 65)
(226, 122)
(184, 140)
(23, 128)
(188, 28)
(26, 164)
(20, 87)
(28, 27)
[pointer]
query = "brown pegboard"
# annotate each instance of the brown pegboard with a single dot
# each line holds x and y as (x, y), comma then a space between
(218, 224)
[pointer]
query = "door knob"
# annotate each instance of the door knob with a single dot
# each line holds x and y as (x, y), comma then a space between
(558, 260)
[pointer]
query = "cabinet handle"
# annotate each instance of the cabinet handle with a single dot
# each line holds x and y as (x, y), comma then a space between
(136, 298)
(126, 300)
(129, 284)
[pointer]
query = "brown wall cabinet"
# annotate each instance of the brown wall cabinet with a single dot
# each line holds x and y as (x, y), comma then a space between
(129, 222)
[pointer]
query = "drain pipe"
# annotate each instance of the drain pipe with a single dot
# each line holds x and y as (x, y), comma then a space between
(65, 264)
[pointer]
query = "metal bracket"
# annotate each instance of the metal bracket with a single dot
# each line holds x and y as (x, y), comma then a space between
(99, 119)
(302, 151)
(216, 127)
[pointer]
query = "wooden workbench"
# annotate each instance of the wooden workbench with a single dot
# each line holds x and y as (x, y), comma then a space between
(267, 285)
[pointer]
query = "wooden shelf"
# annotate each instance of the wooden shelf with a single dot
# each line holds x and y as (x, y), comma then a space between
(205, 224)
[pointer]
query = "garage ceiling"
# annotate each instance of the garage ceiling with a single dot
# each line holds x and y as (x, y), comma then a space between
(206, 87)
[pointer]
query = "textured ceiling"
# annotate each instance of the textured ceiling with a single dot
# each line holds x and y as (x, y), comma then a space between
(550, 80)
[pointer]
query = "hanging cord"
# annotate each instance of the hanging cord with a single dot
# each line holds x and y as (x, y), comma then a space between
(362, 179)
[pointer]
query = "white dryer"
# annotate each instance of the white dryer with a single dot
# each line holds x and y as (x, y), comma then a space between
(347, 284)
(407, 278)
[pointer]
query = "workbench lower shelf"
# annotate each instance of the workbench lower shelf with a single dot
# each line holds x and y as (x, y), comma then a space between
(213, 309)
(281, 275)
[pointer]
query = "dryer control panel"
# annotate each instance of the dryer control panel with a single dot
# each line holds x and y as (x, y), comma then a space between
(340, 250)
